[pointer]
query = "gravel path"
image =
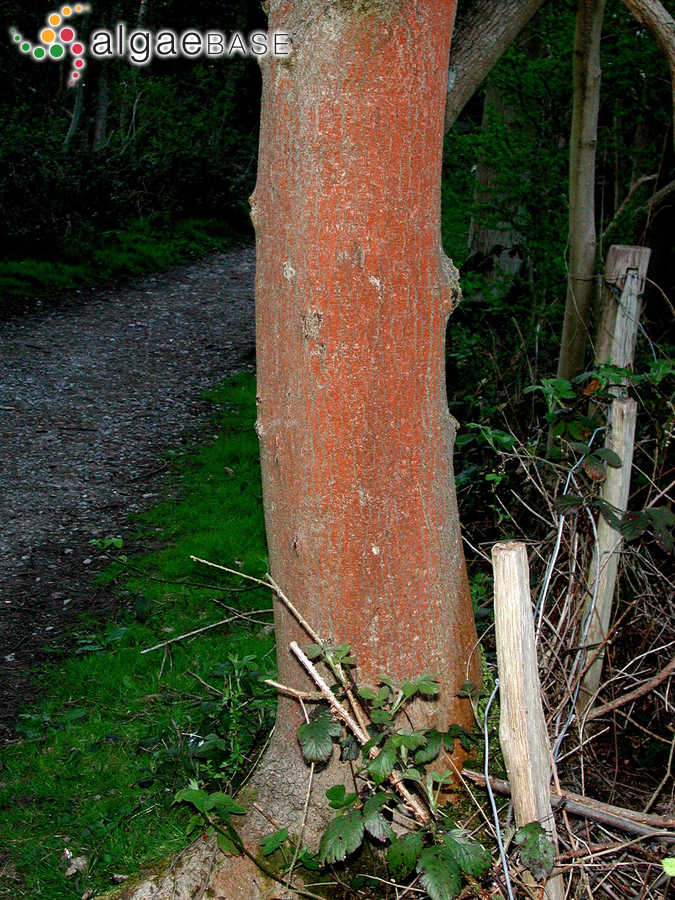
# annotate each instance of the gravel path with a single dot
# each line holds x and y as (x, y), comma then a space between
(92, 393)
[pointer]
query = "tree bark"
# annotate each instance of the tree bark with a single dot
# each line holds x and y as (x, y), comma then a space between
(582, 234)
(480, 39)
(353, 293)
(101, 120)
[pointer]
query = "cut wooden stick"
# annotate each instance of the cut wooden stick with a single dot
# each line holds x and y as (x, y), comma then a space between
(584, 807)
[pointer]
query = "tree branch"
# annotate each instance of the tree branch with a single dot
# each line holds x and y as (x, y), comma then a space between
(644, 688)
(480, 39)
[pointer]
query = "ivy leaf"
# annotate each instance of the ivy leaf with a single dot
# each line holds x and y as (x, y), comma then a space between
(316, 737)
(343, 836)
(472, 857)
(403, 853)
(610, 457)
(440, 873)
(381, 767)
(373, 820)
(537, 853)
(272, 842)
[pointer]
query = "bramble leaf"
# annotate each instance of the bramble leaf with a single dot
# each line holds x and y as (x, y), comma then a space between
(669, 866)
(339, 798)
(316, 737)
(440, 873)
(381, 767)
(373, 820)
(610, 456)
(537, 853)
(432, 748)
(343, 836)
(472, 857)
(634, 524)
(403, 853)
(272, 842)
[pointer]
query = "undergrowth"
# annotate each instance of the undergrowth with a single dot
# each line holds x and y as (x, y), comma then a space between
(145, 245)
(118, 732)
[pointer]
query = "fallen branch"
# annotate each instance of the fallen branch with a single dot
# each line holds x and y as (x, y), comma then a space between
(182, 637)
(584, 807)
(644, 688)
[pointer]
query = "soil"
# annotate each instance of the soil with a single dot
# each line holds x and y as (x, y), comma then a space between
(93, 391)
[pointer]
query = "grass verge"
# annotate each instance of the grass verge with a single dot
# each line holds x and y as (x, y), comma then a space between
(119, 731)
(142, 246)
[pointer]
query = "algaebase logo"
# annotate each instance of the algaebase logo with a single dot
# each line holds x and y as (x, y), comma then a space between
(60, 38)
(56, 40)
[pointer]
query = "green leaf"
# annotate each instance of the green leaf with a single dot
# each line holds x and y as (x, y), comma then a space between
(456, 732)
(431, 750)
(663, 520)
(440, 873)
(227, 845)
(380, 716)
(381, 767)
(349, 749)
(373, 820)
(403, 853)
(343, 836)
(224, 804)
(634, 524)
(313, 651)
(339, 798)
(427, 685)
(368, 693)
(669, 866)
(411, 740)
(608, 513)
(537, 853)
(316, 737)
(568, 503)
(272, 842)
(197, 798)
(472, 857)
(610, 457)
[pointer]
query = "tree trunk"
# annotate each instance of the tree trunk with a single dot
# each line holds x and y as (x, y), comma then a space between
(582, 235)
(77, 113)
(353, 293)
(481, 38)
(101, 121)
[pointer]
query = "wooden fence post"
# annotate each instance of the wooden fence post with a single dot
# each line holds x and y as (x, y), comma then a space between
(626, 268)
(522, 726)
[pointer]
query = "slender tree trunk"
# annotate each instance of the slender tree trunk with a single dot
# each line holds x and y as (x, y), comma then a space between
(77, 113)
(101, 121)
(482, 36)
(582, 233)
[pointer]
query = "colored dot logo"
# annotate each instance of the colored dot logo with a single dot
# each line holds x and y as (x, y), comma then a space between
(53, 43)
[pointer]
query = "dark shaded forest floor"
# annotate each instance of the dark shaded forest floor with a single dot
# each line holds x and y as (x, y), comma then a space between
(94, 392)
